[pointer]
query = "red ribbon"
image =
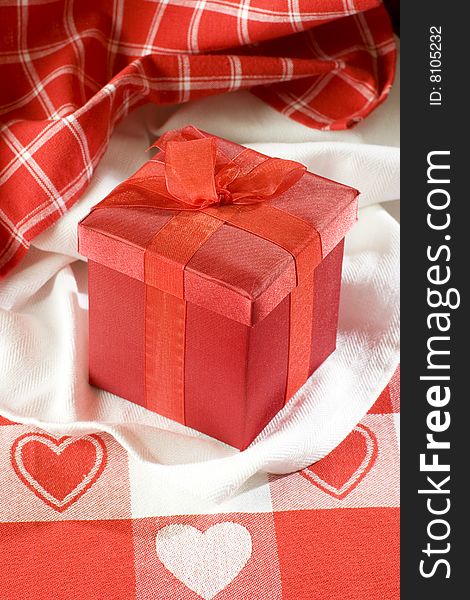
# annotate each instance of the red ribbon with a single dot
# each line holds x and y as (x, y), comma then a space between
(195, 174)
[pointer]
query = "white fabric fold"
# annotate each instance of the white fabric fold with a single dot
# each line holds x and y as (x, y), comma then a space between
(44, 313)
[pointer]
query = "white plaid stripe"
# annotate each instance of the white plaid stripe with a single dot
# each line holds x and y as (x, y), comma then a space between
(287, 69)
(113, 42)
(236, 73)
(184, 84)
(295, 15)
(125, 48)
(360, 86)
(78, 133)
(141, 73)
(193, 31)
(27, 63)
(149, 47)
(367, 37)
(349, 7)
(77, 45)
(243, 17)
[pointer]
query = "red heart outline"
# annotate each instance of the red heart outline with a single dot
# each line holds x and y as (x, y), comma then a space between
(372, 450)
(58, 445)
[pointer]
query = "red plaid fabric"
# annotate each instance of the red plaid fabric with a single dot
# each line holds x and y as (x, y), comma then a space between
(82, 519)
(71, 70)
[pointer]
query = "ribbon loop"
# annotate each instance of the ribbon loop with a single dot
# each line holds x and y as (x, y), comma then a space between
(267, 180)
(189, 172)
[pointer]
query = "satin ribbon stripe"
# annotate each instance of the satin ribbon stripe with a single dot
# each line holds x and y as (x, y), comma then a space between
(165, 333)
(300, 335)
(170, 250)
(165, 259)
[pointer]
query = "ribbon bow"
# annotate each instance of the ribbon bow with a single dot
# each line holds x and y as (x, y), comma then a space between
(195, 174)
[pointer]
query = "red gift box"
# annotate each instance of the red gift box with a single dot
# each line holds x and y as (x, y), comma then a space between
(214, 280)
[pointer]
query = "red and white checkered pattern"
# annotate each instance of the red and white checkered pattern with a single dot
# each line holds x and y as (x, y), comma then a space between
(81, 519)
(71, 70)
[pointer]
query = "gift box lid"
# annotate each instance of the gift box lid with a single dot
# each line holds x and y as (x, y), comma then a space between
(238, 269)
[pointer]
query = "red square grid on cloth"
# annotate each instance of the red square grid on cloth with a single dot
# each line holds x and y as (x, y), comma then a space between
(69, 525)
(74, 69)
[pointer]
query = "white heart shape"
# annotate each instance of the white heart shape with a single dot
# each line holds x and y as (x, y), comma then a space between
(206, 562)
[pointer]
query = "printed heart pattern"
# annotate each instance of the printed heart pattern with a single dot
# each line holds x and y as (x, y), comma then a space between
(341, 471)
(206, 562)
(58, 471)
